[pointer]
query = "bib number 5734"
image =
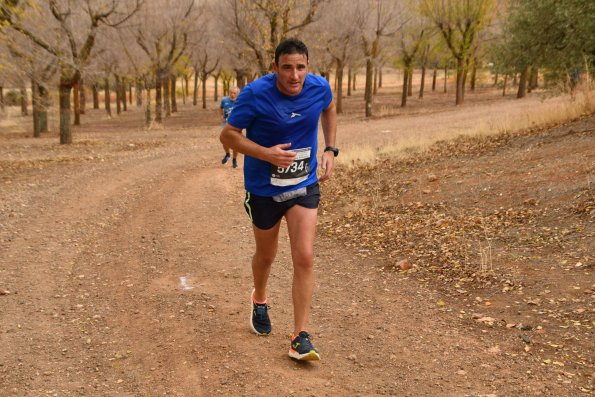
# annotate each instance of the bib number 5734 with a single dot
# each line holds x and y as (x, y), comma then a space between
(297, 171)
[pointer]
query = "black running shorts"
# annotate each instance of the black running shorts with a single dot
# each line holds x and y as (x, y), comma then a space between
(266, 212)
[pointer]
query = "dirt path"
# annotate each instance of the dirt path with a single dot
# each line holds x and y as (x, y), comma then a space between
(129, 276)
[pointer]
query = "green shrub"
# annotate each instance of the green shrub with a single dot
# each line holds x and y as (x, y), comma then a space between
(12, 98)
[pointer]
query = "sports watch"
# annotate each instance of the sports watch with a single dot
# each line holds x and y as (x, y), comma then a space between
(332, 149)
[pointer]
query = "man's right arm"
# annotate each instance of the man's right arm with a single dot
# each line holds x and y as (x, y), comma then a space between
(278, 155)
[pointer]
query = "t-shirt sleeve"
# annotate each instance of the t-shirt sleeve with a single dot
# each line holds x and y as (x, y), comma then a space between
(243, 110)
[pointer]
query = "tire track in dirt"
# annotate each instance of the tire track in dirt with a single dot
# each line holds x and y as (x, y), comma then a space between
(40, 317)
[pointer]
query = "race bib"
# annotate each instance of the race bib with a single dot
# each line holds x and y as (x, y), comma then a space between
(297, 171)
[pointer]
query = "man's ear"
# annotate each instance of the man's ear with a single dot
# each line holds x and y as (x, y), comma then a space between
(273, 66)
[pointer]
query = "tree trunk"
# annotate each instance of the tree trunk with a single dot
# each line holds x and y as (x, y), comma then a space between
(465, 73)
(405, 87)
(410, 82)
(216, 94)
(123, 94)
(445, 78)
(65, 130)
(496, 79)
(504, 85)
(534, 79)
(335, 83)
(186, 87)
(174, 103)
(148, 106)
(460, 82)
(1, 98)
(35, 103)
(82, 97)
(138, 90)
(166, 95)
(434, 76)
(24, 102)
(195, 93)
(375, 91)
(349, 72)
(158, 98)
(44, 104)
(369, 89)
(354, 76)
(95, 94)
(423, 81)
(203, 81)
(107, 96)
(473, 76)
(522, 91)
(76, 96)
(118, 89)
(380, 77)
(339, 76)
(129, 93)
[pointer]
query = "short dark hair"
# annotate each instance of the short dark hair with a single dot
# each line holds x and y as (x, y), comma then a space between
(290, 46)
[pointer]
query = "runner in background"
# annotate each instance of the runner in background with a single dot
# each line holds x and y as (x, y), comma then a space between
(227, 104)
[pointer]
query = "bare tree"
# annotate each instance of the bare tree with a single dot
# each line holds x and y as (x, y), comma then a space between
(411, 40)
(69, 38)
(459, 22)
(338, 42)
(408, 54)
(27, 64)
(262, 24)
(377, 19)
(204, 65)
(162, 33)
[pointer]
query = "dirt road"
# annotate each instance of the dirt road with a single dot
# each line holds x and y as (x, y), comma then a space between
(124, 271)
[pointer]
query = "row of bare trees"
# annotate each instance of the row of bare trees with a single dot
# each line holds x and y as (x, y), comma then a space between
(150, 44)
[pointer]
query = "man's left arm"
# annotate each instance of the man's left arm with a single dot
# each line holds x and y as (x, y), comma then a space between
(329, 129)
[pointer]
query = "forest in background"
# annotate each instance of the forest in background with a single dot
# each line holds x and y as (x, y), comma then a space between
(159, 49)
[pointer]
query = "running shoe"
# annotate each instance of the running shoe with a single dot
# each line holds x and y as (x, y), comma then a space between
(234, 163)
(225, 159)
(301, 348)
(259, 318)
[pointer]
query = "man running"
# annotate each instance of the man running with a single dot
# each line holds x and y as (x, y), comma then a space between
(227, 104)
(280, 112)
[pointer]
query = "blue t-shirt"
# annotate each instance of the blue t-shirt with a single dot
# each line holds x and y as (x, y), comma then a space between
(271, 118)
(227, 105)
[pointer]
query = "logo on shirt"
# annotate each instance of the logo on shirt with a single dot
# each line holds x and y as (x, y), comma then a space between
(295, 115)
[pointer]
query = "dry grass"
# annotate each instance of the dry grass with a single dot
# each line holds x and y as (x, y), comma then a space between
(403, 135)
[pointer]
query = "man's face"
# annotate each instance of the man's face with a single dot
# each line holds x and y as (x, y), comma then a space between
(291, 73)
(233, 94)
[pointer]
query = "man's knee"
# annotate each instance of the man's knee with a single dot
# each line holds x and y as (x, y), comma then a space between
(265, 258)
(303, 260)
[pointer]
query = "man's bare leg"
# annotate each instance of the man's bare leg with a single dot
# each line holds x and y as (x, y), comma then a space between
(266, 250)
(301, 225)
